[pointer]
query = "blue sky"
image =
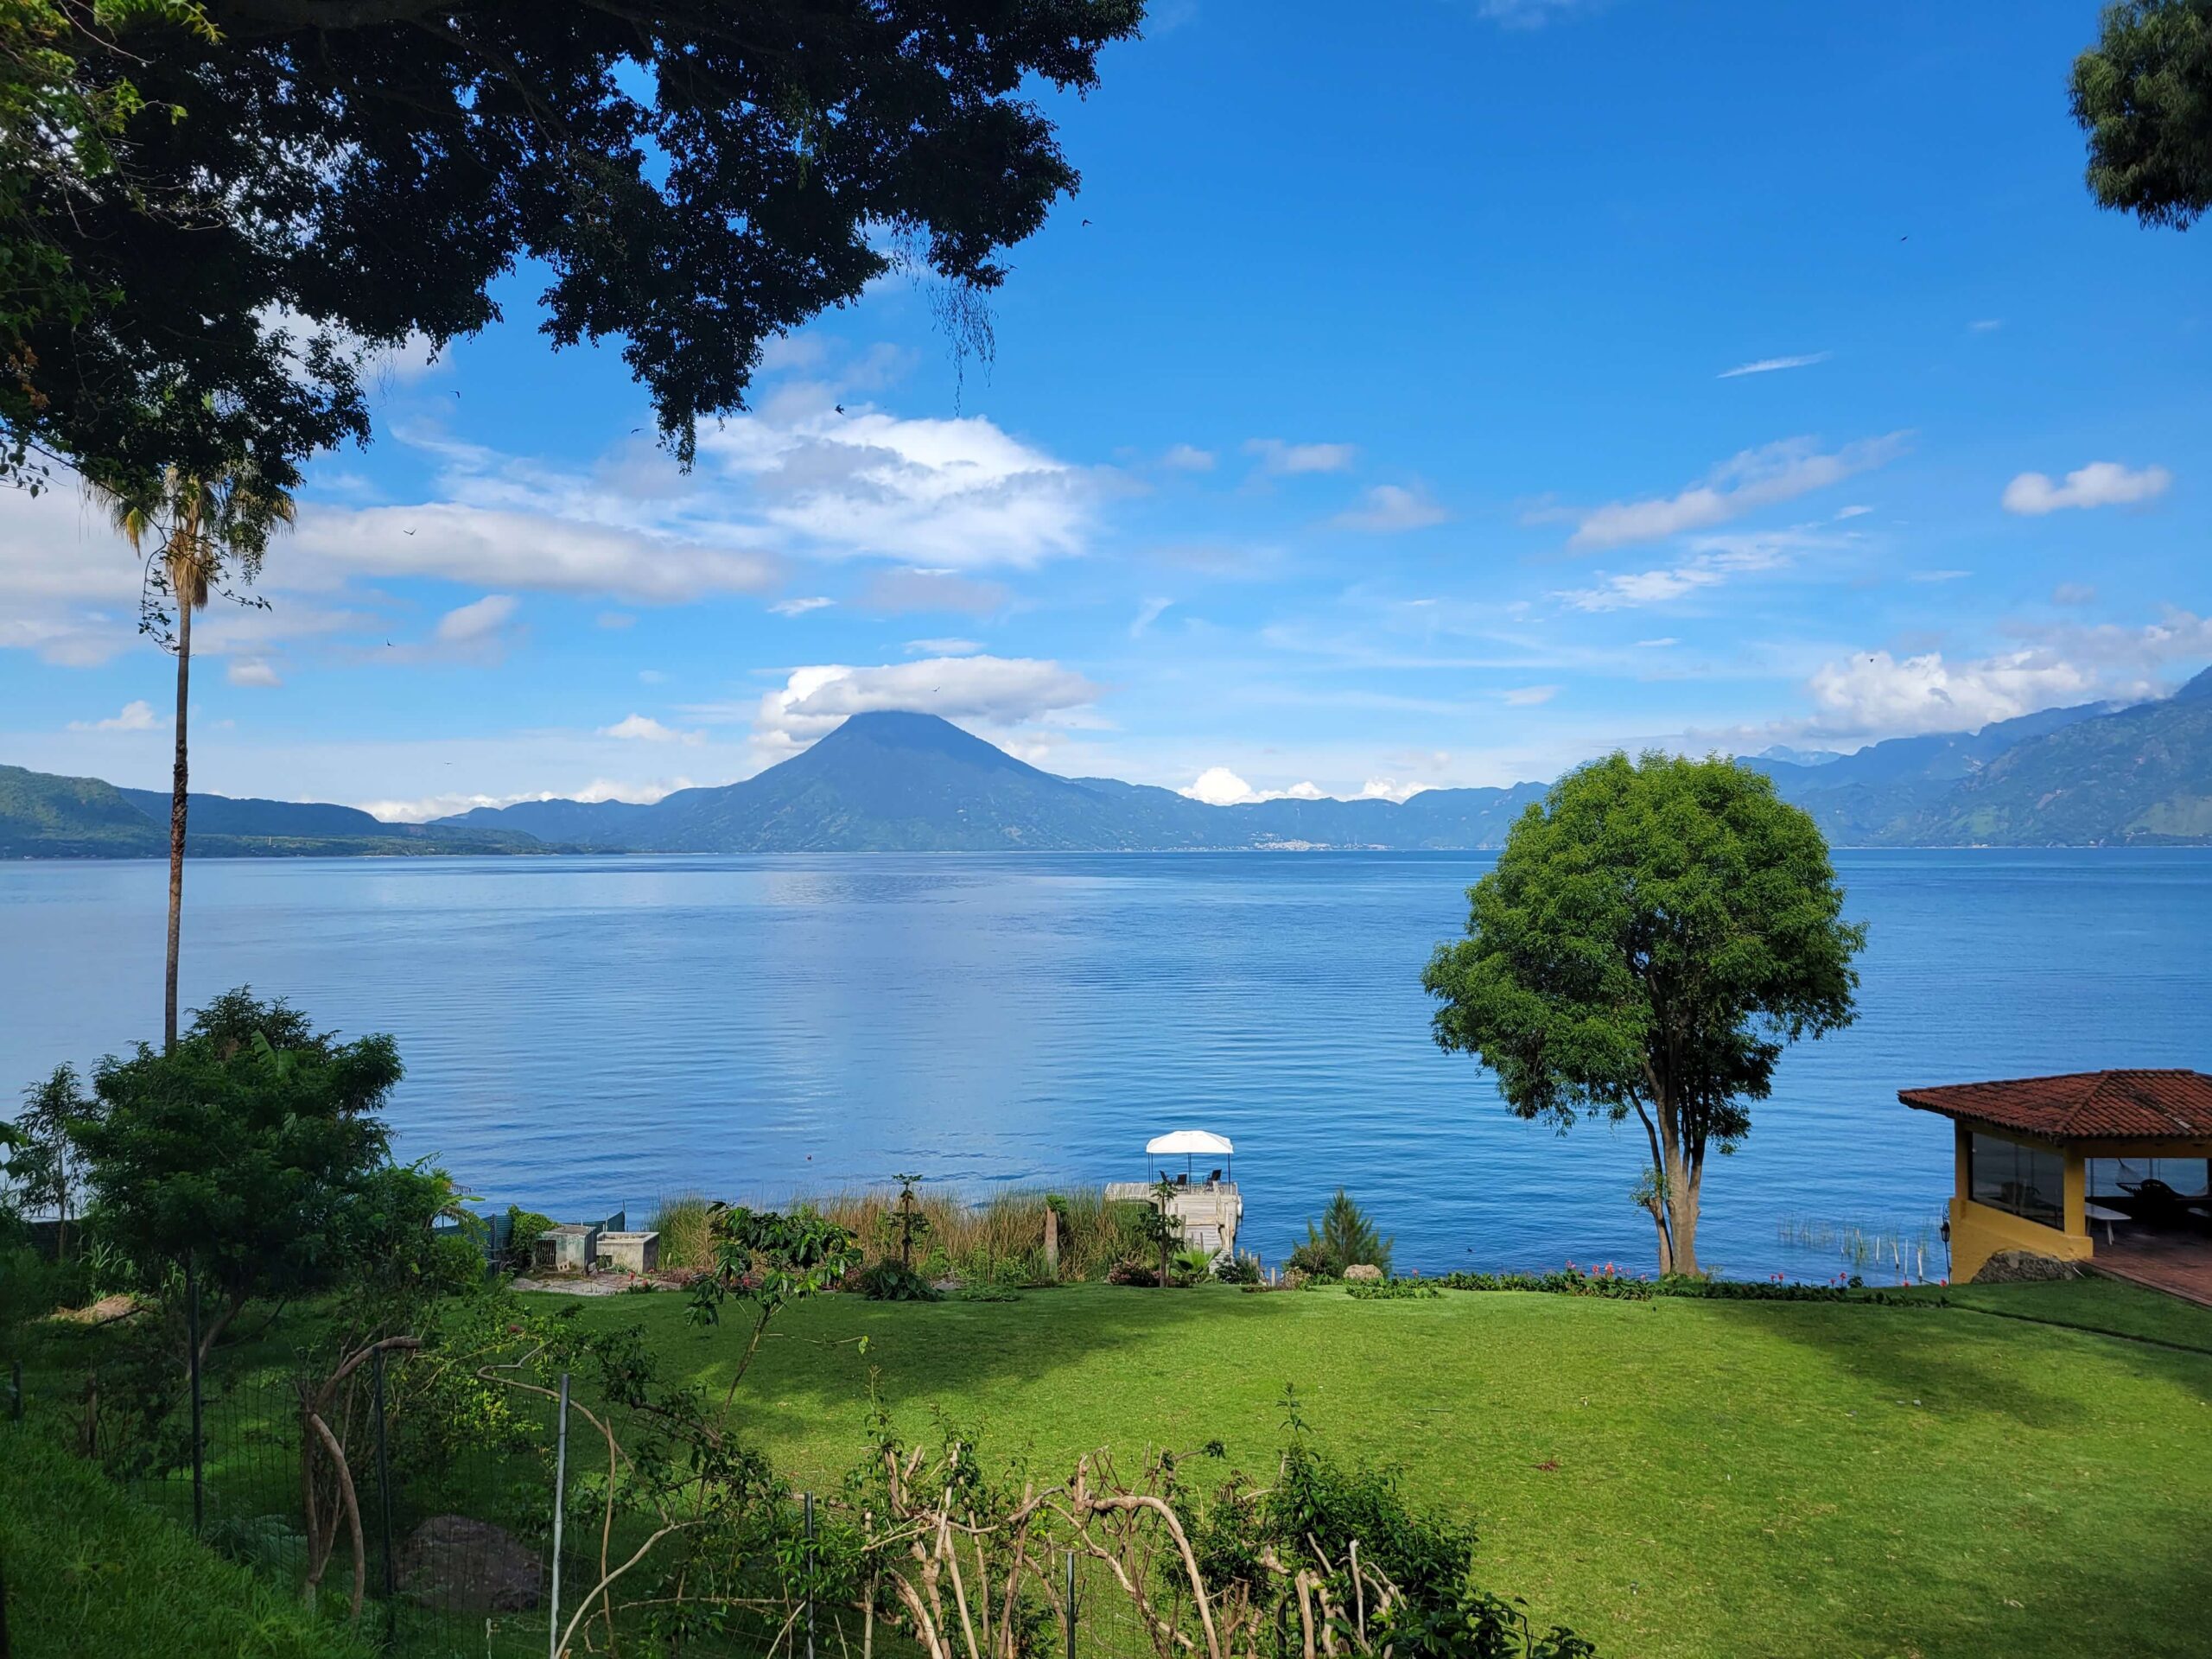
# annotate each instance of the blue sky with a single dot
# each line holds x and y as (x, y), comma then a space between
(1440, 396)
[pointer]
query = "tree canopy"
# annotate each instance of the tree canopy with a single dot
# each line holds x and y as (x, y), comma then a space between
(2144, 94)
(253, 1147)
(1654, 934)
(212, 207)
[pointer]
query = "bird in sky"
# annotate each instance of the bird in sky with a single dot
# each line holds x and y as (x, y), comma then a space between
(841, 409)
(407, 533)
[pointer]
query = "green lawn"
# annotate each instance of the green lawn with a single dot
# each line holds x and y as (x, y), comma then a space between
(1671, 1477)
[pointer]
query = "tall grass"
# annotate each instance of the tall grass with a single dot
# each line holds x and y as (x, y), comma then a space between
(681, 1221)
(999, 1239)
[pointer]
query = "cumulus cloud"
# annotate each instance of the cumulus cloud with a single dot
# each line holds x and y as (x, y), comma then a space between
(1388, 789)
(479, 619)
(1188, 458)
(1876, 694)
(800, 607)
(135, 716)
(251, 670)
(2100, 484)
(1772, 365)
(991, 691)
(421, 809)
(1752, 478)
(1219, 786)
(642, 729)
(1390, 507)
(1286, 459)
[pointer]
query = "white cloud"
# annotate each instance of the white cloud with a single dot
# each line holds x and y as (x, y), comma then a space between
(1528, 697)
(1148, 613)
(944, 647)
(1752, 478)
(994, 690)
(1219, 786)
(1856, 512)
(135, 716)
(1714, 560)
(1285, 459)
(1391, 507)
(1387, 789)
(642, 729)
(955, 492)
(478, 619)
(536, 551)
(1875, 694)
(1937, 575)
(2100, 484)
(1770, 364)
(422, 809)
(251, 670)
(800, 607)
(1656, 644)
(1985, 325)
(1188, 458)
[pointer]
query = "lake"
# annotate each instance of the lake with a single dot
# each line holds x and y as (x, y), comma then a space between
(582, 1033)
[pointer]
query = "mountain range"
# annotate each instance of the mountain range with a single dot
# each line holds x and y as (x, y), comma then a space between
(2094, 775)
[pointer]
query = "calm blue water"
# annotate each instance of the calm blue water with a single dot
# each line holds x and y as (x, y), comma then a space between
(585, 1032)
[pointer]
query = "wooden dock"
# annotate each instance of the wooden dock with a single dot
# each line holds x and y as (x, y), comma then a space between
(1209, 1214)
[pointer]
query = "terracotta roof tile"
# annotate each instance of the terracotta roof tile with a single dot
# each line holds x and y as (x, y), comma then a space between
(2082, 1105)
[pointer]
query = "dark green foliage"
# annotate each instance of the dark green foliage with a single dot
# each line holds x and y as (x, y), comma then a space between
(770, 1260)
(1345, 1238)
(41, 1168)
(254, 1146)
(1393, 1290)
(298, 178)
(1242, 1269)
(893, 1281)
(1133, 1272)
(524, 1229)
(2144, 95)
(1653, 936)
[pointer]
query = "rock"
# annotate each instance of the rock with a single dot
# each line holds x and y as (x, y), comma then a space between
(461, 1565)
(2024, 1267)
(1359, 1270)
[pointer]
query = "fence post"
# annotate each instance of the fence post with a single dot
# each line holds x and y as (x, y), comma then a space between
(807, 1498)
(560, 1503)
(383, 1505)
(1068, 1605)
(191, 1364)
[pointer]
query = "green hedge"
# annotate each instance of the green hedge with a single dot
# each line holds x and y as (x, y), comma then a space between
(91, 1574)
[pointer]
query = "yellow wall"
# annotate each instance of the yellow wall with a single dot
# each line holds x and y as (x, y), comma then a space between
(1979, 1232)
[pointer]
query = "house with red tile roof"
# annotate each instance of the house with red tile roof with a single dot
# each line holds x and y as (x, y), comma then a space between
(2113, 1168)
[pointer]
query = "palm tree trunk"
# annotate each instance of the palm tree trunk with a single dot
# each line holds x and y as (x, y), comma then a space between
(178, 796)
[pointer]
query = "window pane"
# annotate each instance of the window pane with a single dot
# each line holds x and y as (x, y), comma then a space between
(2022, 1180)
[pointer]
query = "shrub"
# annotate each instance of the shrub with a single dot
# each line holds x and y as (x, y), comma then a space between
(526, 1228)
(1391, 1290)
(889, 1281)
(1243, 1270)
(1132, 1273)
(1345, 1238)
(685, 1238)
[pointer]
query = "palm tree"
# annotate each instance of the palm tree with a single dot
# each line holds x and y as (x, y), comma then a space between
(204, 529)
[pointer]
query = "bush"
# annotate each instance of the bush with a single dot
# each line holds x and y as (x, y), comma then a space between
(1132, 1273)
(91, 1574)
(1345, 1238)
(1392, 1290)
(889, 1281)
(526, 1228)
(1244, 1269)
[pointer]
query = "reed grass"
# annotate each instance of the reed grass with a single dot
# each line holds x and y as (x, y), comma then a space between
(681, 1221)
(999, 1239)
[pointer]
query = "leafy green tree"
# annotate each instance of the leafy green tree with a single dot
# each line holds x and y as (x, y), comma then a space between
(770, 1260)
(253, 1148)
(1654, 934)
(1344, 1237)
(204, 530)
(279, 185)
(43, 1169)
(2144, 95)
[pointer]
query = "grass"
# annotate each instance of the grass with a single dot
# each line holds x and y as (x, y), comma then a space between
(91, 1574)
(1671, 1478)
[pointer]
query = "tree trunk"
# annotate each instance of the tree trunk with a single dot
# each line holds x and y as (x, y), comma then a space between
(178, 797)
(1658, 1209)
(1682, 1211)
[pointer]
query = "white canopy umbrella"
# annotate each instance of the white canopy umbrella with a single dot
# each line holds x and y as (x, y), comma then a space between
(1191, 1143)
